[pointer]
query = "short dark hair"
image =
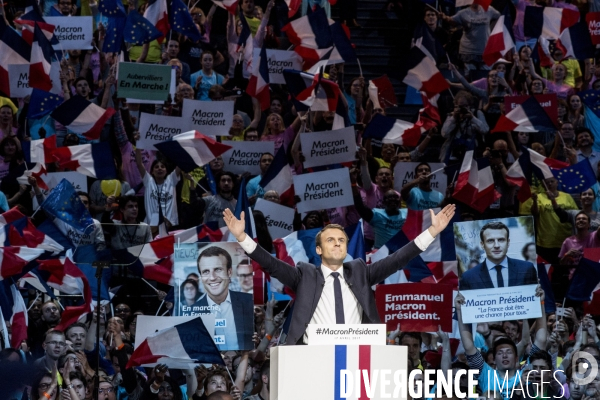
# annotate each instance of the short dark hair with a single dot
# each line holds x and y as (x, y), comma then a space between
(494, 225)
(266, 154)
(501, 341)
(541, 355)
(215, 251)
(76, 325)
(422, 163)
(330, 226)
(583, 212)
(583, 130)
(123, 200)
(220, 175)
(413, 335)
(82, 193)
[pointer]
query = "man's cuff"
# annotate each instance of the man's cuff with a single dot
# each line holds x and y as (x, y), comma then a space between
(249, 245)
(422, 241)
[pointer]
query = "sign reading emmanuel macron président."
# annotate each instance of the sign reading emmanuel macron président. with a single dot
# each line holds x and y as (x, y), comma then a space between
(404, 172)
(18, 75)
(157, 128)
(418, 307)
(326, 148)
(500, 304)
(245, 156)
(323, 190)
(278, 61)
(144, 81)
(73, 33)
(207, 117)
(279, 218)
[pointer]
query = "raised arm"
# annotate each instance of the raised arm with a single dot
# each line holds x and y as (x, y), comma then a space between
(139, 163)
(466, 336)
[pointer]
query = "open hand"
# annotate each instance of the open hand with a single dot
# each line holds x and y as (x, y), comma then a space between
(235, 226)
(440, 221)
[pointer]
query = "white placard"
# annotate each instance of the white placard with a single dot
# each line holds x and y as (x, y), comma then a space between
(245, 156)
(207, 117)
(500, 304)
(323, 190)
(73, 33)
(278, 61)
(78, 180)
(148, 325)
(324, 334)
(157, 128)
(404, 172)
(18, 76)
(326, 148)
(279, 218)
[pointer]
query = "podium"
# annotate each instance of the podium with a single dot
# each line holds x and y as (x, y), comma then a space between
(315, 372)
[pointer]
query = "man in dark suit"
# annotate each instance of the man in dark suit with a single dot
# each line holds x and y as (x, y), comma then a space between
(497, 270)
(334, 292)
(234, 311)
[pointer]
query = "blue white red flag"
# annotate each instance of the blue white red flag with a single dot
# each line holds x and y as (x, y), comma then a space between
(530, 116)
(421, 73)
(14, 50)
(392, 130)
(258, 86)
(82, 116)
(40, 61)
(548, 22)
(157, 14)
(279, 178)
(152, 260)
(88, 159)
(190, 150)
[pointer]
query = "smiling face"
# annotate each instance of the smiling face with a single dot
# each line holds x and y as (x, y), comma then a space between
(495, 244)
(215, 277)
(587, 198)
(582, 222)
(6, 115)
(159, 170)
(584, 139)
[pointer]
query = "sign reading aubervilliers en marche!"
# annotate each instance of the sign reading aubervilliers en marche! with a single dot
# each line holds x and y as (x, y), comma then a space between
(157, 128)
(326, 148)
(207, 117)
(323, 190)
(73, 33)
(144, 81)
(18, 77)
(245, 156)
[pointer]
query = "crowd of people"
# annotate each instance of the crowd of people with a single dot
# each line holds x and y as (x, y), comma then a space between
(62, 363)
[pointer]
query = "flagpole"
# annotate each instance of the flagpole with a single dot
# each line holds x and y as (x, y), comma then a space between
(160, 306)
(437, 170)
(359, 67)
(434, 9)
(149, 284)
(34, 300)
(453, 178)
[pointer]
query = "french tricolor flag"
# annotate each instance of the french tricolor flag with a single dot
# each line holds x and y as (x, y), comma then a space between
(82, 116)
(229, 5)
(501, 40)
(13, 50)
(576, 42)
(467, 183)
(311, 91)
(258, 86)
(279, 178)
(190, 150)
(40, 61)
(528, 117)
(153, 260)
(310, 34)
(529, 163)
(23, 233)
(39, 150)
(208, 232)
(548, 22)
(88, 159)
(157, 14)
(442, 248)
(475, 184)
(174, 343)
(392, 130)
(36, 172)
(18, 319)
(543, 51)
(422, 74)
(13, 259)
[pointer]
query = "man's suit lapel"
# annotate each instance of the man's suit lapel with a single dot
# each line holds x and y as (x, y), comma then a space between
(484, 275)
(319, 284)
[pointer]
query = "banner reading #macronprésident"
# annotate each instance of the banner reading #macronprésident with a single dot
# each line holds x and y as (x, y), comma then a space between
(245, 156)
(144, 81)
(278, 61)
(157, 128)
(418, 307)
(326, 148)
(323, 190)
(207, 117)
(225, 272)
(73, 33)
(279, 218)
(500, 304)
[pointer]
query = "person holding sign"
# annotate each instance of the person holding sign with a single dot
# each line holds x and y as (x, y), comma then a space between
(418, 193)
(504, 351)
(334, 292)
(497, 270)
(253, 187)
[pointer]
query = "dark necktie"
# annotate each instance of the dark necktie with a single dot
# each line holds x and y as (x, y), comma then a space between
(339, 301)
(499, 276)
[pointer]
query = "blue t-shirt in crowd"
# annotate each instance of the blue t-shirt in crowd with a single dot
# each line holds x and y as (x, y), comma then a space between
(386, 226)
(421, 200)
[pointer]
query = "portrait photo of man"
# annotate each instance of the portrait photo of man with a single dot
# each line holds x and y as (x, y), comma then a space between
(497, 269)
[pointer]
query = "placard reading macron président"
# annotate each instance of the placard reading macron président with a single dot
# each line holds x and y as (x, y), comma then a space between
(245, 156)
(500, 304)
(18, 77)
(278, 60)
(157, 128)
(279, 218)
(326, 148)
(323, 190)
(404, 172)
(73, 33)
(207, 117)
(144, 81)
